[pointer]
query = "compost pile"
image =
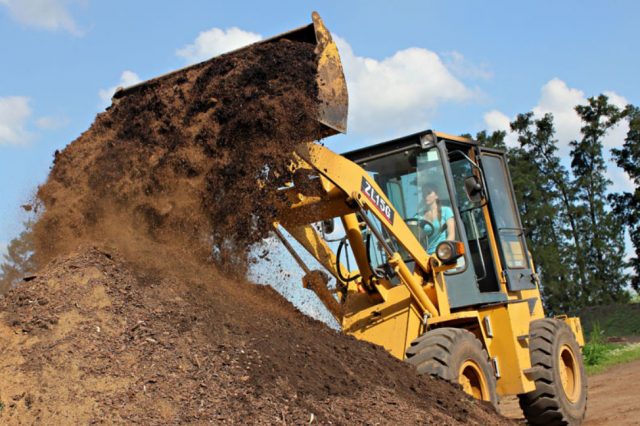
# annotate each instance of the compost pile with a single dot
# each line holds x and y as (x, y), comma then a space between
(131, 320)
(94, 339)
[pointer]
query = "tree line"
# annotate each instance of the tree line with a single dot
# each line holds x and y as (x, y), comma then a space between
(575, 226)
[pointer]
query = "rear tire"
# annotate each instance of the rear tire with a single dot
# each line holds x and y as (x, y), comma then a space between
(455, 355)
(560, 397)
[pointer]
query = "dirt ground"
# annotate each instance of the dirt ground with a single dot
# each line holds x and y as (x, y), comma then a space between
(613, 398)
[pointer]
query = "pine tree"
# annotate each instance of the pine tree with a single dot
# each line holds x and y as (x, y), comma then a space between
(601, 230)
(493, 140)
(575, 237)
(627, 205)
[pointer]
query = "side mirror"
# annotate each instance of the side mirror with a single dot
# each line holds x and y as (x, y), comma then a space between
(473, 188)
(328, 226)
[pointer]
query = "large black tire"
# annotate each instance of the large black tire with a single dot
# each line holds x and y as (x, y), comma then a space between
(560, 397)
(455, 355)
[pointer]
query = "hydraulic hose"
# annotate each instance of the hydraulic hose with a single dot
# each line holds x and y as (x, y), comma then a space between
(339, 265)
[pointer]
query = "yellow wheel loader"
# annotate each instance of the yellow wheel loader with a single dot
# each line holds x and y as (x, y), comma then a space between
(451, 289)
(423, 238)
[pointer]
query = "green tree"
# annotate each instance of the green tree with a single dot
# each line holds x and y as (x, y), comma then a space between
(626, 204)
(574, 236)
(493, 140)
(600, 228)
(18, 261)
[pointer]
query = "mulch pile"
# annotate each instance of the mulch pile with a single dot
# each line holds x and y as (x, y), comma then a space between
(94, 339)
(140, 313)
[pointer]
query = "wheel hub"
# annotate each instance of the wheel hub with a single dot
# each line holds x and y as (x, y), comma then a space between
(473, 381)
(569, 373)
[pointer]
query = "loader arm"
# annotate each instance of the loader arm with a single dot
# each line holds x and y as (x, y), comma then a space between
(348, 192)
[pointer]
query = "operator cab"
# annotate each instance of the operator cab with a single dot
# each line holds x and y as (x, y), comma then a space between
(447, 187)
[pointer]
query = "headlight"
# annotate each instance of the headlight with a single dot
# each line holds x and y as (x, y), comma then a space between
(449, 251)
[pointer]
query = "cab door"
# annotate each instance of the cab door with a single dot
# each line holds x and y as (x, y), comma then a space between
(507, 226)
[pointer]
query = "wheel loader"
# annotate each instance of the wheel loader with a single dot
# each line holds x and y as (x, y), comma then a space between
(461, 303)
(423, 252)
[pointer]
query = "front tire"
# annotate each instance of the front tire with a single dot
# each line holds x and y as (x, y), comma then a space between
(455, 355)
(560, 397)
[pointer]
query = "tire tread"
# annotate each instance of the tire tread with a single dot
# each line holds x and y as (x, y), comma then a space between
(432, 354)
(543, 406)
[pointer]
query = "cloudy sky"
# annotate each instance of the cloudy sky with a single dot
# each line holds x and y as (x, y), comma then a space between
(456, 66)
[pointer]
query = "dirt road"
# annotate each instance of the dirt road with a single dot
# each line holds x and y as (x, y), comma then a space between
(613, 397)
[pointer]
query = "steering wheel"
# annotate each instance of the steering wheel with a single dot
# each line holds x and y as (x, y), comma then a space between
(421, 228)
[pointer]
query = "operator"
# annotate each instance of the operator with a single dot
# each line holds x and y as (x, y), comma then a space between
(440, 224)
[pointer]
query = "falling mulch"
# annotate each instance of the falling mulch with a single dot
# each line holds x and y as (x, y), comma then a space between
(191, 159)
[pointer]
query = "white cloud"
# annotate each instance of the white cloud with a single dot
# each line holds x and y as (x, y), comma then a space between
(403, 90)
(14, 113)
(615, 99)
(464, 68)
(495, 120)
(52, 123)
(216, 41)
(559, 99)
(621, 180)
(48, 14)
(127, 78)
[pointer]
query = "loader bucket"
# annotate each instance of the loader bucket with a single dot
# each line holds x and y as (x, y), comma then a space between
(332, 89)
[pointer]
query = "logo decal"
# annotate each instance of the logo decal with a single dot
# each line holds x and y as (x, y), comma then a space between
(377, 200)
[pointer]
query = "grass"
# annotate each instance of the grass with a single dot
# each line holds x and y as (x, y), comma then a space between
(1, 406)
(599, 355)
(596, 349)
(618, 354)
(601, 322)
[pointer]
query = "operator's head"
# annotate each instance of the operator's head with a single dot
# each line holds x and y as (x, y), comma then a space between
(430, 193)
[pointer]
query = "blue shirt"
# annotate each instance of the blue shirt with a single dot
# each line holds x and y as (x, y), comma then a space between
(439, 233)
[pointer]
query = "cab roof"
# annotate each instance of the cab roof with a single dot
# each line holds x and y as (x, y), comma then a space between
(415, 140)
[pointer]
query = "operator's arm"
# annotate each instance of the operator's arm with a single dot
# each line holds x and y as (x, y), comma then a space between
(451, 229)
(447, 214)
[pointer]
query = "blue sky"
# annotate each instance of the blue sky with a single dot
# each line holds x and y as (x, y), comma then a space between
(456, 66)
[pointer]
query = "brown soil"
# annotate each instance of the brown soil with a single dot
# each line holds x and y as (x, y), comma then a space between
(613, 398)
(145, 328)
(96, 340)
